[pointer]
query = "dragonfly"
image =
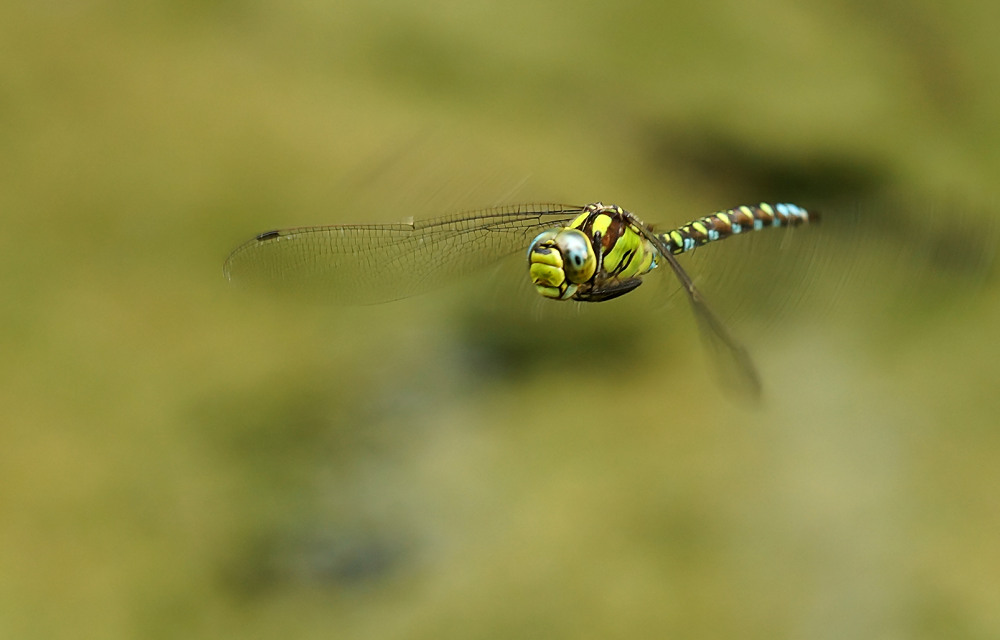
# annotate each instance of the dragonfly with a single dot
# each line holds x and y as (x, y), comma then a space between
(588, 253)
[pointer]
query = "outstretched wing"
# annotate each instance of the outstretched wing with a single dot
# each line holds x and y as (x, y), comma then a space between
(736, 367)
(367, 264)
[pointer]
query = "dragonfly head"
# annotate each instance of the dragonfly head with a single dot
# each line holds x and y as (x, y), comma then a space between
(559, 261)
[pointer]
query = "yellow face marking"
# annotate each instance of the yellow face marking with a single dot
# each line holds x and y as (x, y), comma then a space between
(548, 292)
(543, 274)
(547, 256)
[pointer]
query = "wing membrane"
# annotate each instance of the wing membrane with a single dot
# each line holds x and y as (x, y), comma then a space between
(366, 264)
(735, 366)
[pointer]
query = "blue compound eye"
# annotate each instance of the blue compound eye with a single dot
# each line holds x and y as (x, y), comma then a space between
(579, 261)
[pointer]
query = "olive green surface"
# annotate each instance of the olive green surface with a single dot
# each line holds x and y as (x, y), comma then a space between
(180, 458)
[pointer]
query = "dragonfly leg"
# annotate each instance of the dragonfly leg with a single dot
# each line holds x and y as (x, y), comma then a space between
(607, 290)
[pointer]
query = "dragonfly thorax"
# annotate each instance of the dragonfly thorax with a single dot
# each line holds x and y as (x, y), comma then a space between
(559, 261)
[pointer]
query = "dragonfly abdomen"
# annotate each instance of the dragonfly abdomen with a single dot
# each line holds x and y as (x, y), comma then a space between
(722, 224)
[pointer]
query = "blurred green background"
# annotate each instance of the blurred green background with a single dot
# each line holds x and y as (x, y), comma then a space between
(180, 460)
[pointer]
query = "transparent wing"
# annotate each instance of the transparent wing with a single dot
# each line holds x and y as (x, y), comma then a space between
(735, 366)
(366, 264)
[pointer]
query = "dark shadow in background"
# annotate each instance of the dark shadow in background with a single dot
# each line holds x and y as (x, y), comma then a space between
(730, 166)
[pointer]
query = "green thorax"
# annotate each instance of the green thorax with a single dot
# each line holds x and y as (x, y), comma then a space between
(625, 252)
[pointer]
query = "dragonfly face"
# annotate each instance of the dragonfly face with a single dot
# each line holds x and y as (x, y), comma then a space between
(559, 261)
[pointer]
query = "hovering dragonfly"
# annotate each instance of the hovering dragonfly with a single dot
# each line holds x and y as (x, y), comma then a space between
(589, 253)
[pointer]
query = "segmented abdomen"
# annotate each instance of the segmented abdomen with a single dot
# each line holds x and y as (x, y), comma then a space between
(723, 224)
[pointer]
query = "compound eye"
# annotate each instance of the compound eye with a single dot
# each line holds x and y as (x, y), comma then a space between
(579, 260)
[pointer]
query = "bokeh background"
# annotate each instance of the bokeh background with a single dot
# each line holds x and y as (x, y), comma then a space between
(182, 460)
